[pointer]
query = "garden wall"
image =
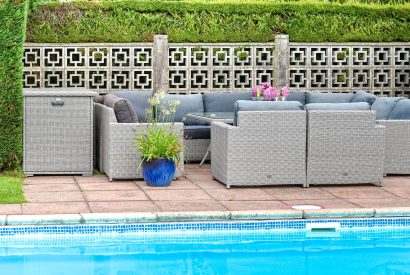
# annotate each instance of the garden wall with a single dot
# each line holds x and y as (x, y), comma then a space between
(13, 16)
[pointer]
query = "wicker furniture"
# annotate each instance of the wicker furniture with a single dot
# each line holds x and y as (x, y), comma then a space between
(397, 152)
(118, 158)
(344, 147)
(267, 148)
(58, 131)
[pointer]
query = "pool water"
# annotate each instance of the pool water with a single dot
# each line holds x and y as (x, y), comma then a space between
(378, 249)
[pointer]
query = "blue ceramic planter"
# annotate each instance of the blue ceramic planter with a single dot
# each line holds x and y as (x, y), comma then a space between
(158, 172)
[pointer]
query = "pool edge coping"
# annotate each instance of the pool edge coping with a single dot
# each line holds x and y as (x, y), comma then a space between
(195, 216)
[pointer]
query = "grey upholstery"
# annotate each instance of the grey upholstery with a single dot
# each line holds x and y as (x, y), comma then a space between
(401, 110)
(223, 102)
(362, 96)
(316, 97)
(244, 105)
(359, 106)
(384, 106)
(197, 132)
(297, 96)
(124, 111)
(189, 104)
(139, 100)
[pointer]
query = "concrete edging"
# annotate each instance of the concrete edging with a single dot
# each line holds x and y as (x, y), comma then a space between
(152, 217)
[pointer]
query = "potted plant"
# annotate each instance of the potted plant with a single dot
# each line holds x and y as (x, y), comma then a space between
(160, 147)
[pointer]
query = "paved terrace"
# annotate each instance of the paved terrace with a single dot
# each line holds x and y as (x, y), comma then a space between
(195, 192)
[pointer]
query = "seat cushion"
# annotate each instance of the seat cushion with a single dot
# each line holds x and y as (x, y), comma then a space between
(139, 100)
(197, 132)
(362, 96)
(223, 102)
(297, 96)
(245, 105)
(188, 104)
(401, 110)
(384, 106)
(124, 112)
(317, 97)
(358, 106)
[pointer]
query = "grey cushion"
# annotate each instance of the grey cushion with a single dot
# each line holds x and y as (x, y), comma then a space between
(362, 96)
(328, 97)
(245, 105)
(358, 106)
(197, 132)
(139, 100)
(297, 96)
(189, 104)
(99, 99)
(223, 102)
(123, 110)
(384, 106)
(402, 110)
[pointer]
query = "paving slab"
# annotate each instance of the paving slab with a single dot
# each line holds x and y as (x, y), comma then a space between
(54, 196)
(198, 205)
(10, 209)
(49, 179)
(177, 184)
(54, 208)
(50, 187)
(403, 192)
(396, 181)
(381, 202)
(123, 195)
(239, 194)
(122, 206)
(91, 179)
(107, 186)
(209, 184)
(253, 205)
(358, 192)
(326, 203)
(298, 193)
(177, 195)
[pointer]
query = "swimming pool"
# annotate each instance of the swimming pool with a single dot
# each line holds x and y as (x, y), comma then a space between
(350, 246)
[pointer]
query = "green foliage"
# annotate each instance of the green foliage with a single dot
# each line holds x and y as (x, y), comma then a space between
(160, 141)
(13, 17)
(219, 20)
(11, 183)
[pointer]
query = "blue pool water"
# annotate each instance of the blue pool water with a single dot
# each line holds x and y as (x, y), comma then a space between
(377, 246)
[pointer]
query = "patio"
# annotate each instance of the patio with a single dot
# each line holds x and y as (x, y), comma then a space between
(197, 191)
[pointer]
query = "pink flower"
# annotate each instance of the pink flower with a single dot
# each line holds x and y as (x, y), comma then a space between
(271, 93)
(255, 90)
(284, 92)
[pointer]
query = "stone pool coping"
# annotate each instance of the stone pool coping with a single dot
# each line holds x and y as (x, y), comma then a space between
(152, 217)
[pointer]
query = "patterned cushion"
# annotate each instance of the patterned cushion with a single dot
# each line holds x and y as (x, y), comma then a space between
(402, 110)
(384, 106)
(124, 112)
(317, 97)
(358, 106)
(223, 102)
(245, 105)
(362, 96)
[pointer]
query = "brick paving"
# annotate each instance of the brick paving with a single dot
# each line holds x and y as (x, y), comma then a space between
(197, 191)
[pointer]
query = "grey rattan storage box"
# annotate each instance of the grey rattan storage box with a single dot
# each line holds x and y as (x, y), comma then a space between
(58, 131)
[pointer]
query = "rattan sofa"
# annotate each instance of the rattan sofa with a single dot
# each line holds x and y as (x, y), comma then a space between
(344, 147)
(266, 148)
(114, 149)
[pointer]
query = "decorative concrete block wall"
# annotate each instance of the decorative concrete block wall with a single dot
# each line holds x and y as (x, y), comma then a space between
(382, 68)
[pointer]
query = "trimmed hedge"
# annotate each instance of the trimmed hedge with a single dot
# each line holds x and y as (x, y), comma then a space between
(217, 21)
(13, 18)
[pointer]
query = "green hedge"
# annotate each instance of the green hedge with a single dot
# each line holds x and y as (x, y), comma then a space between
(217, 21)
(13, 17)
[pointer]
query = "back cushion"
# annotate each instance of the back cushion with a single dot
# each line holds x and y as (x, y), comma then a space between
(99, 99)
(124, 112)
(223, 102)
(384, 106)
(189, 104)
(402, 110)
(242, 105)
(359, 106)
(362, 96)
(329, 97)
(139, 100)
(297, 96)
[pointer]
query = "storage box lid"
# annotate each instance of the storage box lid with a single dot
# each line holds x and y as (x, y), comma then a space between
(58, 92)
